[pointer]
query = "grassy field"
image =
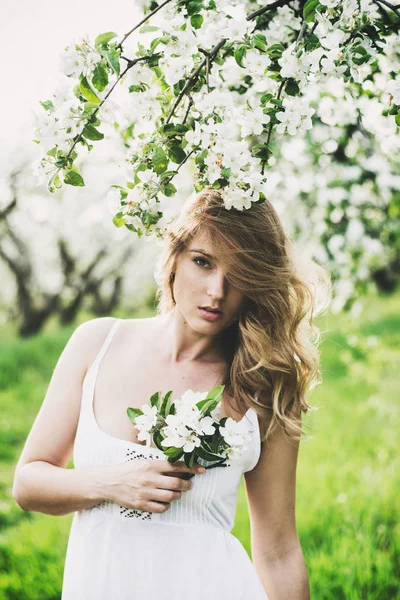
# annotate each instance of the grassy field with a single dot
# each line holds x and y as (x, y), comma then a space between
(348, 473)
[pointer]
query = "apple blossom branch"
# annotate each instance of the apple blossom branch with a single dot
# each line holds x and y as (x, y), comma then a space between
(131, 63)
(212, 54)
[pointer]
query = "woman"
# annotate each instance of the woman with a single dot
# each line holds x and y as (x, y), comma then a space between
(233, 310)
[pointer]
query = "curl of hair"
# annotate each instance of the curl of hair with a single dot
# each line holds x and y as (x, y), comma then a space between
(273, 347)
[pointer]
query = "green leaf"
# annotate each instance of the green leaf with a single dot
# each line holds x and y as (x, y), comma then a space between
(91, 133)
(119, 219)
(52, 152)
(173, 454)
(240, 52)
(57, 181)
(174, 129)
(133, 413)
(311, 42)
(104, 38)
(148, 28)
(292, 87)
(169, 190)
(309, 10)
(89, 108)
(371, 31)
(166, 404)
(210, 456)
(261, 151)
(397, 119)
(196, 21)
(275, 51)
(77, 92)
(87, 91)
(211, 400)
(260, 42)
(74, 178)
(216, 392)
(54, 183)
(154, 400)
(160, 160)
(149, 218)
(220, 183)
(100, 77)
(112, 56)
(176, 153)
(360, 55)
(266, 98)
(181, 128)
(167, 174)
(47, 104)
(139, 88)
(154, 43)
(194, 7)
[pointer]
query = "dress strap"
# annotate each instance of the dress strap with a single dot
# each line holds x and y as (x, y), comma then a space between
(106, 343)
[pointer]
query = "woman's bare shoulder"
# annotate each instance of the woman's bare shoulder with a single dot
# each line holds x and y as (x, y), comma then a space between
(91, 334)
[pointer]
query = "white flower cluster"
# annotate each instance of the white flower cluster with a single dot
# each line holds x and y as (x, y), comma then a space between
(216, 131)
(187, 426)
(79, 57)
(60, 119)
(296, 117)
(271, 80)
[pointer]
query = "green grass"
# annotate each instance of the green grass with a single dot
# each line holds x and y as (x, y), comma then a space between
(347, 507)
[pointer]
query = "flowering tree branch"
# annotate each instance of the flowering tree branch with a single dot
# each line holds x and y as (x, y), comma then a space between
(211, 88)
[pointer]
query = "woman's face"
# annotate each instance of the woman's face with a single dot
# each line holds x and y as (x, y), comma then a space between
(200, 281)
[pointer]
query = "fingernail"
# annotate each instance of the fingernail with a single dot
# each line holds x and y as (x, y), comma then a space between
(201, 469)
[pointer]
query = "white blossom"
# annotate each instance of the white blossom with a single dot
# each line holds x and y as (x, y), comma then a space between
(296, 117)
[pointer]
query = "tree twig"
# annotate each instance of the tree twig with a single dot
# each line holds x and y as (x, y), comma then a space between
(146, 18)
(192, 79)
(271, 124)
(301, 35)
(389, 5)
(262, 10)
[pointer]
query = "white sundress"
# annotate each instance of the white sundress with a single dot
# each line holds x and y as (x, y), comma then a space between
(188, 552)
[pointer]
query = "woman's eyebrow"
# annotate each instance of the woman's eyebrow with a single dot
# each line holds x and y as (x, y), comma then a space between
(202, 252)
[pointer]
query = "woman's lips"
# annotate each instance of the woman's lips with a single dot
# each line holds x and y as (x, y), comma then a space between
(209, 315)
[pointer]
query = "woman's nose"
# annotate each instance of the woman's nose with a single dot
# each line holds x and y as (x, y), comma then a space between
(217, 286)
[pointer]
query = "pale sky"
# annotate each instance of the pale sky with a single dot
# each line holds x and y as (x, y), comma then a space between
(33, 33)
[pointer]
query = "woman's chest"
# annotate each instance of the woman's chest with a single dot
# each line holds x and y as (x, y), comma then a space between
(130, 383)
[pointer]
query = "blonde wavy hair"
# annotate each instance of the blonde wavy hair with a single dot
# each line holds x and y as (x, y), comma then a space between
(273, 347)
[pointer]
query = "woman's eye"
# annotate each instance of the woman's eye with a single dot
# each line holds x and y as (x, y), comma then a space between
(201, 260)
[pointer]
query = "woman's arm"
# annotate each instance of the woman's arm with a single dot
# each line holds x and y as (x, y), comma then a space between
(41, 481)
(271, 494)
(46, 488)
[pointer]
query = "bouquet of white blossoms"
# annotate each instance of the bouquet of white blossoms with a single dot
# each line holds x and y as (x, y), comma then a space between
(190, 427)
